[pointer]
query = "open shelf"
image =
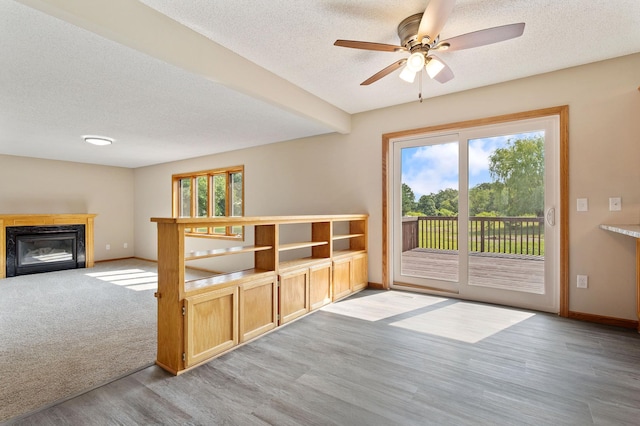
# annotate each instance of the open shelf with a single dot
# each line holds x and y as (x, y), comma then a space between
(219, 281)
(346, 236)
(204, 254)
(346, 253)
(305, 244)
(301, 262)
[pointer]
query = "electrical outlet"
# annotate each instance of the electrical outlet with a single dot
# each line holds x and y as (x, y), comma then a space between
(582, 204)
(583, 281)
(615, 204)
(126, 245)
(108, 246)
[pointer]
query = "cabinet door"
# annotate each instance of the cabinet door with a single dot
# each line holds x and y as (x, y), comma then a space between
(320, 292)
(294, 294)
(258, 308)
(360, 273)
(211, 324)
(341, 278)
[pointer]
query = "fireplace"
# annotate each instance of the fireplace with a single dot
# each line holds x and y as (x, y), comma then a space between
(35, 249)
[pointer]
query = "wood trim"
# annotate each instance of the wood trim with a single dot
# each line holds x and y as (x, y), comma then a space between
(638, 281)
(564, 211)
(386, 280)
(561, 111)
(601, 319)
(43, 220)
(3, 245)
(257, 220)
(376, 286)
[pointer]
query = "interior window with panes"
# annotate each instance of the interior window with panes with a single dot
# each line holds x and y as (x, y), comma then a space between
(210, 193)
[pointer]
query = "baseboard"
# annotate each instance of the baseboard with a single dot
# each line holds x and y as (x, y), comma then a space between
(114, 260)
(601, 319)
(376, 286)
(146, 260)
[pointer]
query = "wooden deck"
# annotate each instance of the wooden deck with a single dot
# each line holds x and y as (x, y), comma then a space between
(504, 271)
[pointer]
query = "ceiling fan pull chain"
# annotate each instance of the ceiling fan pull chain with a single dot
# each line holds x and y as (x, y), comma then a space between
(420, 91)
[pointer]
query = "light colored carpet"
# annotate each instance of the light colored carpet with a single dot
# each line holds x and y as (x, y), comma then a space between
(65, 332)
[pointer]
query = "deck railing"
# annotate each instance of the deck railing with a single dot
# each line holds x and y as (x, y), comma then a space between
(511, 235)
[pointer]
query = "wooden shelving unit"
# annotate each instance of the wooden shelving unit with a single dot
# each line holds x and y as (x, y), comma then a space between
(204, 254)
(200, 319)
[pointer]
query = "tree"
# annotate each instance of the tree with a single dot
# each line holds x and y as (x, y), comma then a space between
(408, 199)
(446, 201)
(427, 205)
(520, 167)
(487, 197)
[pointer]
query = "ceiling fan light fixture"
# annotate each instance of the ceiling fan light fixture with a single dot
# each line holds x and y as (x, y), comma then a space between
(407, 74)
(434, 67)
(416, 61)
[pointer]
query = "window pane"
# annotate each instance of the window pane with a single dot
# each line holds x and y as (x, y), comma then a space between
(236, 194)
(220, 195)
(185, 197)
(203, 196)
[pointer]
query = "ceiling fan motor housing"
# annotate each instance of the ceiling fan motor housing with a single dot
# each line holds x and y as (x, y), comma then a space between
(408, 32)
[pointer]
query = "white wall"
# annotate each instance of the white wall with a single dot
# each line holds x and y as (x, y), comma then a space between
(342, 173)
(34, 186)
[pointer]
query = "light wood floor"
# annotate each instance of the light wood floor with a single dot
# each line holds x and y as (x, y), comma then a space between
(390, 358)
(510, 272)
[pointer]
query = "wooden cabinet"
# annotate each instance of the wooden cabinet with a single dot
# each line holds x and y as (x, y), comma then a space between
(359, 279)
(320, 285)
(349, 275)
(293, 294)
(350, 262)
(211, 324)
(258, 308)
(300, 263)
(342, 269)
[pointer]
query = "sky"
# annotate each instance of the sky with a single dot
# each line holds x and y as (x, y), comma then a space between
(429, 169)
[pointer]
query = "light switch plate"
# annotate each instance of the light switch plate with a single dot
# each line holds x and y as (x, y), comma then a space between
(582, 204)
(615, 204)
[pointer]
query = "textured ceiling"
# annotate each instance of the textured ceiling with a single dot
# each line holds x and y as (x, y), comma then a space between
(65, 74)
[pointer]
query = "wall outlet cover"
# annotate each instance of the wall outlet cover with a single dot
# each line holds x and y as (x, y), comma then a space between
(583, 281)
(582, 204)
(615, 204)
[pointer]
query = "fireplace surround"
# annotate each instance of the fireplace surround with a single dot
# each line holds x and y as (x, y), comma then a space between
(40, 243)
(35, 249)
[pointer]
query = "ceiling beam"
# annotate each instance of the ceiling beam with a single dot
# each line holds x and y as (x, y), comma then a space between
(134, 24)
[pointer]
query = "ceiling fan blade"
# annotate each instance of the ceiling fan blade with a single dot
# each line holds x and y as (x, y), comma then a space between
(483, 37)
(382, 73)
(366, 45)
(435, 16)
(445, 73)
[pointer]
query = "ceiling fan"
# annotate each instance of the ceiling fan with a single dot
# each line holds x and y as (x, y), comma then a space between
(420, 36)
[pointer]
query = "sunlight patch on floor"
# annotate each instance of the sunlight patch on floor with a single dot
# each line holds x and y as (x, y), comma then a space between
(466, 322)
(132, 279)
(382, 305)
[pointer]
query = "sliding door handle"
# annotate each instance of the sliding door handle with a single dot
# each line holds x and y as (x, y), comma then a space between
(551, 216)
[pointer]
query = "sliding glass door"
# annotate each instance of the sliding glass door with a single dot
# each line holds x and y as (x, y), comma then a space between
(474, 213)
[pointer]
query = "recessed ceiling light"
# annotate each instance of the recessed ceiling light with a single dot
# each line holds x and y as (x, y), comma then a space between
(98, 140)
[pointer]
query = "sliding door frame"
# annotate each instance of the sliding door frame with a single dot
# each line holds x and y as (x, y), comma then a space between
(562, 112)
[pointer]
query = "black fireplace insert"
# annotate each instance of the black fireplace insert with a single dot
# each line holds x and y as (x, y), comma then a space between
(35, 249)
